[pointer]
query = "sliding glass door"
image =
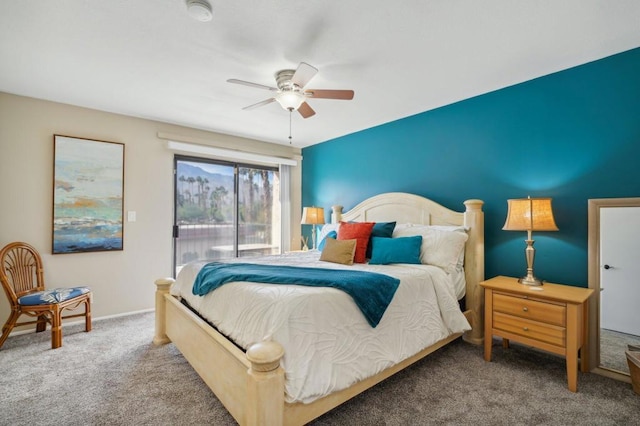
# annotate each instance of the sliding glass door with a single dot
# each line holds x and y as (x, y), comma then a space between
(224, 210)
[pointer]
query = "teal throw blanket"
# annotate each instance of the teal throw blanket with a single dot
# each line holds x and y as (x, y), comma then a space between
(372, 292)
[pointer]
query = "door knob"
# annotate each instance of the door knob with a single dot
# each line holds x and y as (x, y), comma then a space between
(608, 267)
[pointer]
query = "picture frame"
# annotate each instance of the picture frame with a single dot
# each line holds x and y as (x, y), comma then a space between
(88, 195)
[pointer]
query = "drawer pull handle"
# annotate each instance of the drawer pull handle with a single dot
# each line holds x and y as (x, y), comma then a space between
(525, 309)
(525, 328)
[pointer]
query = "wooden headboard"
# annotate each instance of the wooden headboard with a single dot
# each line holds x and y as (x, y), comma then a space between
(409, 208)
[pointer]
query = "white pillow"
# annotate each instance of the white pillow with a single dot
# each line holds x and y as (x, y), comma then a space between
(454, 228)
(326, 229)
(440, 247)
(457, 276)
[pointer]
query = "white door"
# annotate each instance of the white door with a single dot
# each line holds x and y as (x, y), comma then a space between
(620, 269)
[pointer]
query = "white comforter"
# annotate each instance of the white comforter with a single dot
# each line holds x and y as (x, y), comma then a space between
(328, 343)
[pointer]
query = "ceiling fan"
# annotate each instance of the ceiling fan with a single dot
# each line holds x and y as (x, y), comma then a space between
(291, 93)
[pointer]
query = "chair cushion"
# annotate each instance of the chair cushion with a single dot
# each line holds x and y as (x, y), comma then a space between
(48, 297)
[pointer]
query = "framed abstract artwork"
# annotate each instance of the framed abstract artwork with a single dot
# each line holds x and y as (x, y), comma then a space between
(88, 195)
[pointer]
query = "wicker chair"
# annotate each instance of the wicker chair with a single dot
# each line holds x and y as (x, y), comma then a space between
(22, 279)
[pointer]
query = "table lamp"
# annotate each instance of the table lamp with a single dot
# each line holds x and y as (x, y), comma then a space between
(530, 214)
(313, 216)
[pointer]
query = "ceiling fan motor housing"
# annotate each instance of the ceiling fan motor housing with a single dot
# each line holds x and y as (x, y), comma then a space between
(283, 80)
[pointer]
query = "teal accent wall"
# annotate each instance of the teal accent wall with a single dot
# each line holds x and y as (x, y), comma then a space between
(572, 135)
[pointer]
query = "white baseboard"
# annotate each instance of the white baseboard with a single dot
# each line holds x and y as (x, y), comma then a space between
(81, 321)
(124, 314)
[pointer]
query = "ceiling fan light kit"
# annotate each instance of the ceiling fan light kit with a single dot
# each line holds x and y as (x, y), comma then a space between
(200, 10)
(290, 100)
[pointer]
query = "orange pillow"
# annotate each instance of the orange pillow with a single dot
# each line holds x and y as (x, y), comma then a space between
(360, 231)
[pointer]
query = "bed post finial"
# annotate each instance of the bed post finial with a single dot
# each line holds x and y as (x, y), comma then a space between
(265, 384)
(336, 214)
(162, 288)
(265, 356)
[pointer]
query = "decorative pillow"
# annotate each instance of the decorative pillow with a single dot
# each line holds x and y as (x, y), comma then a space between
(331, 234)
(395, 250)
(440, 248)
(339, 251)
(359, 231)
(326, 228)
(380, 229)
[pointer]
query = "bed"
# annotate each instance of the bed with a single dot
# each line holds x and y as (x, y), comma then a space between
(251, 384)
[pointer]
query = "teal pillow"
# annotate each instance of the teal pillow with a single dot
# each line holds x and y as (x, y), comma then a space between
(332, 234)
(380, 229)
(395, 250)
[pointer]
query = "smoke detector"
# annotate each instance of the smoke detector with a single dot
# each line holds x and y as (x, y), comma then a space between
(200, 10)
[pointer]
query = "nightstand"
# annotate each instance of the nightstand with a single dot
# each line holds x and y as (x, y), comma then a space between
(551, 317)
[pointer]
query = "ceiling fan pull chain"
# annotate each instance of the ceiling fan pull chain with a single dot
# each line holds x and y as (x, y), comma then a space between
(290, 111)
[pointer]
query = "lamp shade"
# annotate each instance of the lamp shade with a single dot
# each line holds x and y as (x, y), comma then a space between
(312, 216)
(530, 214)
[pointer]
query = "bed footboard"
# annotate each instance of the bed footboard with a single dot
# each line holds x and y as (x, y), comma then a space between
(250, 386)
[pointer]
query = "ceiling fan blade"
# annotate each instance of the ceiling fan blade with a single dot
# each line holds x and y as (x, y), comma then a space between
(250, 84)
(303, 74)
(346, 95)
(305, 110)
(259, 104)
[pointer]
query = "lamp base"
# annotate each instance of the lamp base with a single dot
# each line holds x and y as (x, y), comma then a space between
(530, 280)
(529, 254)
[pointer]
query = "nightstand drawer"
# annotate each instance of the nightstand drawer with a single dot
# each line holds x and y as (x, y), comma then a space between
(539, 331)
(536, 310)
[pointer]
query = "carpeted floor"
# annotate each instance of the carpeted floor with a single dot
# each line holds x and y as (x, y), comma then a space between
(114, 375)
(613, 344)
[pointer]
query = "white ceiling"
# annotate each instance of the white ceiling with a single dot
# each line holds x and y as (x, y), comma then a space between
(150, 59)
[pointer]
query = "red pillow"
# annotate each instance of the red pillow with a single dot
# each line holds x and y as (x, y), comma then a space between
(359, 231)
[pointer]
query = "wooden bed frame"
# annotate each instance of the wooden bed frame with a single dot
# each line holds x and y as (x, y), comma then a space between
(251, 384)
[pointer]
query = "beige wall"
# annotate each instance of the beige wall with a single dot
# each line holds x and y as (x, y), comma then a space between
(121, 281)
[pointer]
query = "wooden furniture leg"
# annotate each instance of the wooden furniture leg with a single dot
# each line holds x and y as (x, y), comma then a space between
(572, 348)
(584, 349)
(42, 324)
(488, 324)
(87, 317)
(8, 326)
(56, 328)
